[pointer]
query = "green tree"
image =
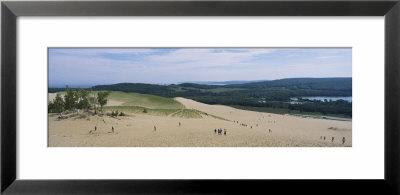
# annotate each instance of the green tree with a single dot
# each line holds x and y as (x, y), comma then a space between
(50, 107)
(58, 104)
(102, 98)
(70, 99)
(83, 99)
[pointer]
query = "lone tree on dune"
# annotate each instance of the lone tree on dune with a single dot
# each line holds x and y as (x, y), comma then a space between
(83, 99)
(70, 99)
(102, 98)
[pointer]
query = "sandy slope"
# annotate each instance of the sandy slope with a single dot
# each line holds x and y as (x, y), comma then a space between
(138, 129)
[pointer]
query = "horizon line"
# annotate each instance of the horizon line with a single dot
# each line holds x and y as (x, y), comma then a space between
(194, 82)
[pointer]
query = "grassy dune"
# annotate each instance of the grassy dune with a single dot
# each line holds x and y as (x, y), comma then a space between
(150, 105)
(141, 100)
(153, 105)
(145, 100)
(142, 110)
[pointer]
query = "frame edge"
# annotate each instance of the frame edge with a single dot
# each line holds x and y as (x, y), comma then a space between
(392, 97)
(8, 103)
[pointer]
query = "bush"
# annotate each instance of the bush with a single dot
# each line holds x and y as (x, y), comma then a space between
(121, 114)
(114, 113)
(145, 110)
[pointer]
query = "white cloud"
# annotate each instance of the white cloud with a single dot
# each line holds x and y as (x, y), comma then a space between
(97, 52)
(207, 57)
(328, 57)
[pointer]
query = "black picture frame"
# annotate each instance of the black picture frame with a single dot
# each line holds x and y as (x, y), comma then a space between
(11, 10)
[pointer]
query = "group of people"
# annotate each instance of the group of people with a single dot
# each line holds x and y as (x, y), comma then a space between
(219, 131)
(245, 125)
(333, 139)
(242, 124)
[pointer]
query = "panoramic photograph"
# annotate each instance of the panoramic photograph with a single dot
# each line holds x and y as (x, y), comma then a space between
(199, 97)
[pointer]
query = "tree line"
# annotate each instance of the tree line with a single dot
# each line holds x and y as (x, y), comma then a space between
(78, 99)
(272, 94)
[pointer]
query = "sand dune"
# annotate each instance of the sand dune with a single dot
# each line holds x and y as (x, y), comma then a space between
(138, 129)
(51, 96)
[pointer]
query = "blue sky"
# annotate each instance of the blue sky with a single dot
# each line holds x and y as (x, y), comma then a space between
(83, 67)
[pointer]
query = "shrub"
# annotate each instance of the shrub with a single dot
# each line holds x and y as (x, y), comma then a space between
(114, 113)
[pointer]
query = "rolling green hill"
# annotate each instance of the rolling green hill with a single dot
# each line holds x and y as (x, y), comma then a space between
(145, 100)
(150, 104)
(266, 94)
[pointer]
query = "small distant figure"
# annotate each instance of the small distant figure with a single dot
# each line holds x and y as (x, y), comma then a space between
(155, 128)
(333, 138)
(237, 122)
(324, 138)
(95, 128)
(179, 123)
(224, 131)
(251, 127)
(215, 131)
(343, 140)
(112, 129)
(219, 131)
(269, 131)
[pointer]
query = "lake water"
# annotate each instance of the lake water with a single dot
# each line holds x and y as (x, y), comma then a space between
(349, 99)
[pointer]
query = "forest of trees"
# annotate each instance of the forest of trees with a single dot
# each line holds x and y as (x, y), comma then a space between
(78, 99)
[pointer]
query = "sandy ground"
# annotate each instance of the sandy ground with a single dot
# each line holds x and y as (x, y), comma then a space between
(51, 96)
(138, 130)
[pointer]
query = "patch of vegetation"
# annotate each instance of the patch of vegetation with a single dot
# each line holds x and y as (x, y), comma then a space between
(78, 99)
(116, 113)
(140, 110)
(286, 111)
(187, 113)
(182, 113)
(145, 100)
